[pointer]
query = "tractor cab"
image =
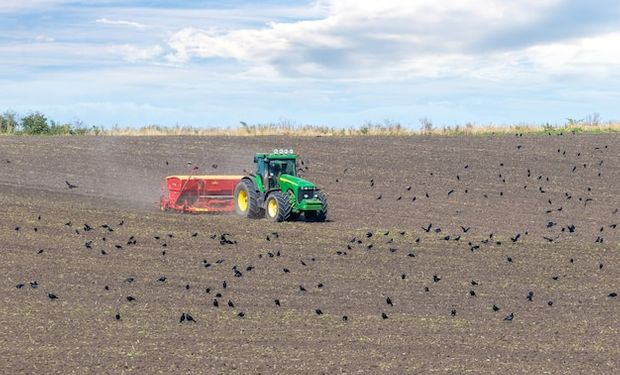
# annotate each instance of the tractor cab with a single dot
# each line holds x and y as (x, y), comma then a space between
(270, 166)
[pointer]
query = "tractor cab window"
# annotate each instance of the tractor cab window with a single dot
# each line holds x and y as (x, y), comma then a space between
(278, 167)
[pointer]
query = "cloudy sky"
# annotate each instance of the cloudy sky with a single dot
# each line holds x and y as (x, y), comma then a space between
(326, 62)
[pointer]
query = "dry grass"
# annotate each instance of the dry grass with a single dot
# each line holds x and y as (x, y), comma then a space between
(365, 130)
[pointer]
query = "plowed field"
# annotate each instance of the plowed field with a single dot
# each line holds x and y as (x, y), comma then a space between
(431, 243)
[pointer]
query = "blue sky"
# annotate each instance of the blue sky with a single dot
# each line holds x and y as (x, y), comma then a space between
(324, 62)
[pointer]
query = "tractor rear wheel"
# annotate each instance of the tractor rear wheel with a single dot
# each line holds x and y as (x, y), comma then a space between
(320, 215)
(278, 207)
(246, 200)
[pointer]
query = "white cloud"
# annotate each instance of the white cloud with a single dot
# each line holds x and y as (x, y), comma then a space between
(392, 39)
(136, 25)
(132, 53)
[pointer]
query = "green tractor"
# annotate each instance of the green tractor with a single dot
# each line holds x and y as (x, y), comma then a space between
(274, 190)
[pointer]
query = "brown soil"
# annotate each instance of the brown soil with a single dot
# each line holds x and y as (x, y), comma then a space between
(572, 180)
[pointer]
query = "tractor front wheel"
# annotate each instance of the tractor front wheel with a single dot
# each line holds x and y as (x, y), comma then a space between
(278, 207)
(246, 200)
(320, 215)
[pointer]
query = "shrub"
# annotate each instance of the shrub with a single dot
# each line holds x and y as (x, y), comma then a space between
(8, 122)
(35, 123)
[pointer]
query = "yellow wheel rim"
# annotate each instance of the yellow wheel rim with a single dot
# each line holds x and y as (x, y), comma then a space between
(272, 207)
(242, 200)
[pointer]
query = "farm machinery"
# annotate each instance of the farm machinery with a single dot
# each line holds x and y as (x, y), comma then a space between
(273, 190)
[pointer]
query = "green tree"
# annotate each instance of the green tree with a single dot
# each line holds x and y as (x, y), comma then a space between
(35, 123)
(8, 122)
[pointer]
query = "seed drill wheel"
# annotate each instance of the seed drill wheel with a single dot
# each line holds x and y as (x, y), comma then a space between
(246, 200)
(278, 207)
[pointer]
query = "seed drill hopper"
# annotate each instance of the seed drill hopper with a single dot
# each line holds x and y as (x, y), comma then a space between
(198, 193)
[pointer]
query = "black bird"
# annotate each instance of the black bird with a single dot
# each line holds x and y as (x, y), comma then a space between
(450, 192)
(117, 316)
(19, 286)
(185, 317)
(495, 308)
(34, 284)
(428, 229)
(453, 312)
(241, 314)
(509, 317)
(277, 302)
(474, 283)
(530, 296)
(388, 300)
(318, 312)
(286, 270)
(301, 288)
(70, 185)
(195, 234)
(52, 296)
(214, 166)
(612, 295)
(516, 237)
(130, 299)
(436, 278)
(162, 279)
(230, 303)
(384, 316)
(216, 303)
(465, 230)
(345, 318)
(472, 293)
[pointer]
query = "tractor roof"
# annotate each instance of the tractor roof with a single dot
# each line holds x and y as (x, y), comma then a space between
(279, 155)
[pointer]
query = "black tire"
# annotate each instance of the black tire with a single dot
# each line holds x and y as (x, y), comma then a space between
(253, 209)
(320, 215)
(282, 211)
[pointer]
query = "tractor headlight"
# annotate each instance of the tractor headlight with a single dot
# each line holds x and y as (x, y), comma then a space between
(281, 151)
(305, 195)
(290, 151)
(275, 150)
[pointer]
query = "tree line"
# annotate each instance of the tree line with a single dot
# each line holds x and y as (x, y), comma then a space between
(36, 123)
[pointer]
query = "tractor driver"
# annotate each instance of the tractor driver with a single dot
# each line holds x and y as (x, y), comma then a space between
(276, 171)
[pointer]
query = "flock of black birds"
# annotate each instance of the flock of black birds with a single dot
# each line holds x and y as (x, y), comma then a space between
(102, 239)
